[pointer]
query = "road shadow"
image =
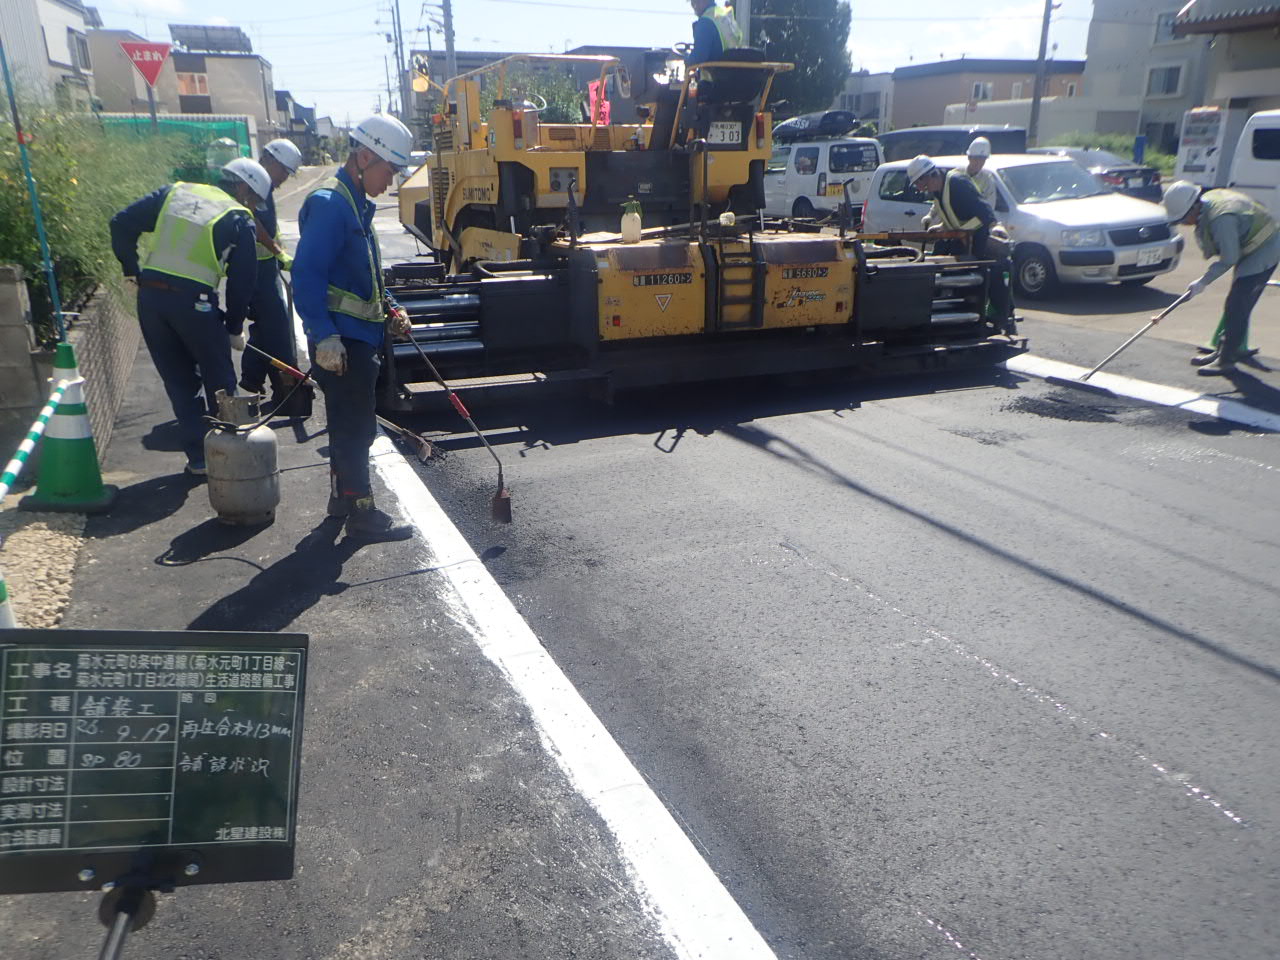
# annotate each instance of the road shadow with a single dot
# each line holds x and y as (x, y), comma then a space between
(164, 437)
(1251, 390)
(1099, 300)
(670, 414)
(797, 456)
(282, 592)
(144, 503)
(201, 542)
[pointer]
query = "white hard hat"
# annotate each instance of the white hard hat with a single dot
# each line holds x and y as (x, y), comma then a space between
(289, 156)
(386, 136)
(1179, 198)
(250, 172)
(979, 147)
(919, 167)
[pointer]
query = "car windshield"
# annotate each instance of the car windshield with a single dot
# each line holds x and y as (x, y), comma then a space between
(778, 161)
(1042, 182)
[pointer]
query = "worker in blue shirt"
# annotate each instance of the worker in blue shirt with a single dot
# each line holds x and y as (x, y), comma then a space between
(715, 31)
(338, 292)
(271, 323)
(193, 236)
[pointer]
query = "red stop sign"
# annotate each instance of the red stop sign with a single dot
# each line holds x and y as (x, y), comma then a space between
(147, 58)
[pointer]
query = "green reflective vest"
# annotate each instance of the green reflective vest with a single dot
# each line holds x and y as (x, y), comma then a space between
(727, 25)
(344, 301)
(985, 183)
(949, 218)
(181, 244)
(1257, 224)
(265, 252)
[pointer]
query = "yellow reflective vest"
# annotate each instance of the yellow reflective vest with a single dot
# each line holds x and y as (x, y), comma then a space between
(182, 244)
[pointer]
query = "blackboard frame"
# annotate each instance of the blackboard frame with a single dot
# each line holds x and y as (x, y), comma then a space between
(162, 866)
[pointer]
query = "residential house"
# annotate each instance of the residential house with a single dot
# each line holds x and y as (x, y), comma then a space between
(1243, 62)
(869, 96)
(46, 44)
(921, 92)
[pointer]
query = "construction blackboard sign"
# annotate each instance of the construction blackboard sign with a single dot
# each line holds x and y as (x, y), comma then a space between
(148, 759)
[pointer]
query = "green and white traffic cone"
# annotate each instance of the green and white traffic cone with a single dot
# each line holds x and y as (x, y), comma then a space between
(69, 480)
(7, 620)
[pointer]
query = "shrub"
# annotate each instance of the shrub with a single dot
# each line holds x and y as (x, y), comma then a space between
(1117, 143)
(83, 175)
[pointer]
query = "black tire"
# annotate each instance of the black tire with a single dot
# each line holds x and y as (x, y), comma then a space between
(802, 209)
(1033, 274)
(1136, 281)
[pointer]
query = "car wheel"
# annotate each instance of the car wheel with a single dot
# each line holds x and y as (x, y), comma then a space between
(1033, 274)
(802, 209)
(1136, 281)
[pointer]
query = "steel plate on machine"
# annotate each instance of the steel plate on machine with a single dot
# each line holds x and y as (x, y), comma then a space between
(156, 758)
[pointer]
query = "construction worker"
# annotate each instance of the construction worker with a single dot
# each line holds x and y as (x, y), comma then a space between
(337, 278)
(1233, 231)
(960, 208)
(715, 31)
(193, 237)
(978, 152)
(271, 327)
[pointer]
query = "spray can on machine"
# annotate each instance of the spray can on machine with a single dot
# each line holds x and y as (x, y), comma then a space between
(631, 221)
(244, 479)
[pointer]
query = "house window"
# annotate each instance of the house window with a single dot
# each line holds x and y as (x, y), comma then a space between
(1164, 81)
(1071, 88)
(982, 90)
(78, 44)
(1016, 93)
(1164, 28)
(193, 84)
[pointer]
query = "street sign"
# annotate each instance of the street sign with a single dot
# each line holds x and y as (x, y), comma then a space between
(149, 759)
(147, 58)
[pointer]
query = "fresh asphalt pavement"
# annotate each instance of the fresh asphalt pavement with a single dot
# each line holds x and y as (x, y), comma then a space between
(971, 663)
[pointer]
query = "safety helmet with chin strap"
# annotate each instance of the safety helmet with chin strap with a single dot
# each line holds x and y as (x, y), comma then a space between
(249, 172)
(286, 153)
(920, 166)
(979, 147)
(386, 136)
(1179, 199)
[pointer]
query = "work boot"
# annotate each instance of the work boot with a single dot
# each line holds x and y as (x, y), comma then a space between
(1204, 359)
(339, 503)
(367, 522)
(1219, 368)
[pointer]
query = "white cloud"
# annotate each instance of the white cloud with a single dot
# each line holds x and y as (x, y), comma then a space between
(217, 22)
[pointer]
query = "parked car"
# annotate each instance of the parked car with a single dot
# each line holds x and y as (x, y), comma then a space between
(1065, 226)
(1228, 147)
(1121, 175)
(808, 178)
(950, 139)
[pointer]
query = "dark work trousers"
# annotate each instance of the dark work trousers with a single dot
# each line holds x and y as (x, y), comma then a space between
(348, 404)
(1241, 298)
(191, 352)
(986, 247)
(271, 329)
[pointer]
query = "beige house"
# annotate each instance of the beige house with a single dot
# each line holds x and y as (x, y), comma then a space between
(921, 92)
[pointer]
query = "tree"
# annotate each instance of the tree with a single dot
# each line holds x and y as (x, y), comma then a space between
(811, 34)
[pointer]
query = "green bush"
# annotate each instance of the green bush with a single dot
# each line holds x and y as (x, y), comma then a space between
(1117, 143)
(83, 176)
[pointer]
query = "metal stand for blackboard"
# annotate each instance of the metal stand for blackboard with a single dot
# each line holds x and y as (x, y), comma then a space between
(124, 910)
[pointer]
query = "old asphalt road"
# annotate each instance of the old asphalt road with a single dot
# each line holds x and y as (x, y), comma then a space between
(972, 666)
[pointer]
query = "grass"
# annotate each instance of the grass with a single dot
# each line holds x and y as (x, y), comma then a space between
(1117, 143)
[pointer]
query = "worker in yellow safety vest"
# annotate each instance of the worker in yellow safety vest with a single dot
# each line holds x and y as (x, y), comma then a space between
(1233, 231)
(976, 170)
(715, 31)
(345, 311)
(193, 236)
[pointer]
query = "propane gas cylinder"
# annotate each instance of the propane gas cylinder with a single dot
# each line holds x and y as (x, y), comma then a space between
(244, 480)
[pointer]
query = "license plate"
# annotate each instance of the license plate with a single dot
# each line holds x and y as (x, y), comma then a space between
(1149, 258)
(1135, 181)
(725, 131)
(835, 189)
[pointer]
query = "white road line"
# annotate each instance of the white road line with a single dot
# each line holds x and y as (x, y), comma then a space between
(1156, 393)
(695, 912)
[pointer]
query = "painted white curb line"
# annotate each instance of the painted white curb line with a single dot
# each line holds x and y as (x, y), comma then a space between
(695, 912)
(1156, 393)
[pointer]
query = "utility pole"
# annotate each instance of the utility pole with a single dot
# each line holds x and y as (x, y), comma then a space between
(1033, 126)
(401, 74)
(386, 67)
(743, 8)
(450, 56)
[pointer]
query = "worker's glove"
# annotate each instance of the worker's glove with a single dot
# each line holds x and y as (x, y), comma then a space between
(331, 355)
(1195, 288)
(1000, 233)
(934, 228)
(286, 261)
(401, 325)
(238, 341)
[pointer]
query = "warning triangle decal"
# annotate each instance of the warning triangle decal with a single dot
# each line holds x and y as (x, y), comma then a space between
(663, 300)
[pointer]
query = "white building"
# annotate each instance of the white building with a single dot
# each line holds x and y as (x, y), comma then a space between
(46, 44)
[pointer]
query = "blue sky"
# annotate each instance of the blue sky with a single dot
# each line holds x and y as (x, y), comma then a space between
(329, 53)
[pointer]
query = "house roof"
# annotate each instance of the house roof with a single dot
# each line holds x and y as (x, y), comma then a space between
(975, 65)
(1197, 17)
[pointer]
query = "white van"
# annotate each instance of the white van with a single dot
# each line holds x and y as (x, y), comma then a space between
(806, 179)
(1255, 169)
